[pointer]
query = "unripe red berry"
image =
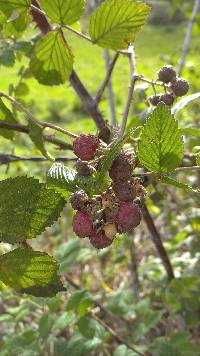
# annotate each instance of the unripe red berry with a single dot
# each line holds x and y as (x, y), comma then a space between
(168, 99)
(121, 168)
(100, 240)
(78, 200)
(82, 224)
(85, 147)
(180, 87)
(128, 217)
(166, 74)
(83, 168)
(155, 99)
(124, 191)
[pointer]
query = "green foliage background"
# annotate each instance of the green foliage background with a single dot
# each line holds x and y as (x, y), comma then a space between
(165, 317)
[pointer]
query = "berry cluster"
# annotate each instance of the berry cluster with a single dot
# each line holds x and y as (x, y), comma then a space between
(117, 210)
(174, 86)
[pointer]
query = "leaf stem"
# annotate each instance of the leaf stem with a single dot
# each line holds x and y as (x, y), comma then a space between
(32, 118)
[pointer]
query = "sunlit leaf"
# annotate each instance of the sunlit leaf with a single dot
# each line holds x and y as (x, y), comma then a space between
(63, 12)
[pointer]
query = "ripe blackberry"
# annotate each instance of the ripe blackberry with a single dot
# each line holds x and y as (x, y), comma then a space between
(128, 217)
(82, 224)
(121, 168)
(85, 147)
(125, 191)
(100, 240)
(79, 200)
(168, 99)
(166, 74)
(83, 169)
(180, 87)
(155, 99)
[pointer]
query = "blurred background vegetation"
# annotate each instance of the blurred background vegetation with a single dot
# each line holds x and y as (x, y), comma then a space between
(160, 318)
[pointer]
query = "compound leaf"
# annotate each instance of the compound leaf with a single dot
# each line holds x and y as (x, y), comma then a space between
(116, 23)
(63, 12)
(27, 207)
(30, 272)
(53, 60)
(161, 146)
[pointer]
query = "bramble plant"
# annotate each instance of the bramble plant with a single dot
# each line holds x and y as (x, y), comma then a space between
(107, 187)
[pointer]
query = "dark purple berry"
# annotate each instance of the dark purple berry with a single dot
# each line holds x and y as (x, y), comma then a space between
(168, 99)
(166, 74)
(79, 200)
(83, 168)
(82, 224)
(155, 99)
(128, 217)
(121, 168)
(100, 240)
(125, 191)
(85, 147)
(180, 87)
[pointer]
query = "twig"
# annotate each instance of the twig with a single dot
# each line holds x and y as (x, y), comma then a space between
(156, 238)
(149, 81)
(7, 159)
(179, 169)
(130, 94)
(109, 313)
(110, 91)
(188, 37)
(32, 118)
(26, 129)
(88, 101)
(107, 78)
(117, 337)
(80, 34)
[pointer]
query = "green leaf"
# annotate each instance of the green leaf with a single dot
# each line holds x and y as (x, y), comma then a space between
(168, 349)
(46, 323)
(123, 350)
(87, 326)
(17, 25)
(7, 117)
(190, 131)
(22, 89)
(53, 60)
(161, 146)
(62, 179)
(36, 135)
(88, 184)
(77, 298)
(31, 272)
(8, 6)
(7, 57)
(27, 207)
(107, 161)
(63, 12)
(116, 23)
(68, 254)
(183, 102)
(177, 184)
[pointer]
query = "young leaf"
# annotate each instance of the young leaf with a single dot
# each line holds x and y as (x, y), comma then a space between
(177, 184)
(36, 135)
(107, 161)
(62, 179)
(63, 12)
(53, 60)
(7, 117)
(161, 145)
(183, 102)
(27, 207)
(116, 23)
(8, 6)
(31, 272)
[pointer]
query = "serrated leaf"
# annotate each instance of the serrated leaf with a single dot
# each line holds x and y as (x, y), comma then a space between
(63, 12)
(190, 131)
(36, 135)
(183, 102)
(177, 184)
(31, 272)
(62, 179)
(17, 25)
(116, 23)
(6, 116)
(161, 146)
(8, 6)
(88, 184)
(52, 61)
(107, 161)
(27, 208)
